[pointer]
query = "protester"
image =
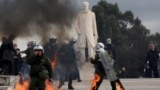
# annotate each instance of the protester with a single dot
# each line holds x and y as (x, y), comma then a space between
(105, 63)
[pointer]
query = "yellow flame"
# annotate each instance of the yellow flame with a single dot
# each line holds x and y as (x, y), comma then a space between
(94, 82)
(48, 85)
(54, 61)
(119, 87)
(22, 86)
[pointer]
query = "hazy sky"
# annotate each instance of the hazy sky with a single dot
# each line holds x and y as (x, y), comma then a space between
(148, 11)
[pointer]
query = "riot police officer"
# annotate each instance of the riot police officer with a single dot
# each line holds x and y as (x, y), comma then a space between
(41, 69)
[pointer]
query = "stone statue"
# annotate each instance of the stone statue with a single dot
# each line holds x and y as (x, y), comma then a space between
(87, 31)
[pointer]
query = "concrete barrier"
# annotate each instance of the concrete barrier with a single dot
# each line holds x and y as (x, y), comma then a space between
(7, 81)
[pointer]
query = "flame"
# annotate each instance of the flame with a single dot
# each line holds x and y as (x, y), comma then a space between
(22, 84)
(94, 82)
(119, 86)
(48, 85)
(54, 61)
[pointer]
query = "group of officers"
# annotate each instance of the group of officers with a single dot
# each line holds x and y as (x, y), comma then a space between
(39, 58)
(36, 65)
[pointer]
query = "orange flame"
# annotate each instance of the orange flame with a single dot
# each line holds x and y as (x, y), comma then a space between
(94, 82)
(48, 85)
(54, 61)
(119, 86)
(22, 84)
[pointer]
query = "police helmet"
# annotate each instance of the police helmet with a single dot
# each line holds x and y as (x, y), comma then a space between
(38, 47)
(31, 43)
(99, 45)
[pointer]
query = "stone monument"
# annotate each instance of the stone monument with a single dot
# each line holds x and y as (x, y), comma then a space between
(87, 31)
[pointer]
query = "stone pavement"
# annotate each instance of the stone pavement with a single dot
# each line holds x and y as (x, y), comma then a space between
(87, 76)
(129, 84)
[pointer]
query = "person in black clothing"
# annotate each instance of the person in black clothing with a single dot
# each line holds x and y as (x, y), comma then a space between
(99, 72)
(17, 63)
(123, 73)
(2, 48)
(8, 55)
(74, 58)
(51, 48)
(152, 60)
(29, 51)
(110, 48)
(66, 63)
(62, 54)
(72, 64)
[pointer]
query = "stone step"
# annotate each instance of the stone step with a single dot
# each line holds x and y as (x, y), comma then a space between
(7, 80)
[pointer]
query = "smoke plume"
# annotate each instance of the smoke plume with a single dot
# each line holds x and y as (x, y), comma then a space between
(25, 18)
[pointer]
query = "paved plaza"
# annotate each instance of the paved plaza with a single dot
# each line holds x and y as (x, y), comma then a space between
(129, 84)
(87, 76)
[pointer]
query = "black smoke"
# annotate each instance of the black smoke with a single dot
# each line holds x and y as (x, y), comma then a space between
(17, 15)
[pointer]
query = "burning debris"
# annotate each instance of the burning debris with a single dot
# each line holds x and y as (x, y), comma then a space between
(54, 61)
(22, 84)
(26, 18)
(95, 81)
(48, 85)
(119, 86)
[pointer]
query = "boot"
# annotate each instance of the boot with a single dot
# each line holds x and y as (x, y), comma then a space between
(118, 83)
(70, 82)
(79, 80)
(70, 87)
(113, 84)
(60, 85)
